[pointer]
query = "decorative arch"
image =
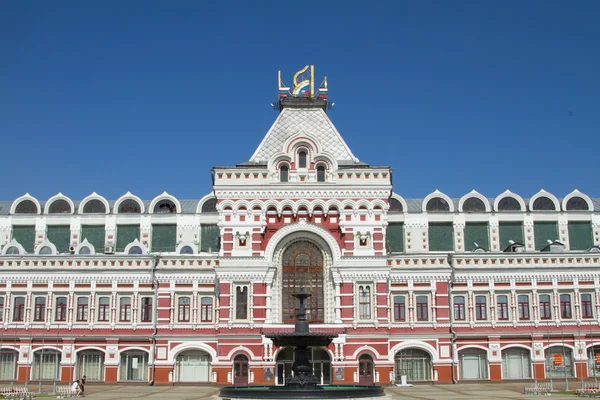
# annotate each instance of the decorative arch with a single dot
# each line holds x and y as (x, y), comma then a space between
(559, 345)
(128, 196)
(224, 204)
(473, 346)
(45, 243)
(401, 200)
(414, 344)
(94, 196)
(543, 193)
(241, 350)
(132, 245)
(133, 348)
(55, 198)
(441, 195)
(25, 197)
(174, 352)
(87, 245)
(85, 348)
(366, 349)
(522, 346)
(161, 197)
(293, 232)
(576, 193)
(209, 198)
(46, 347)
(14, 244)
(476, 195)
(515, 196)
(181, 245)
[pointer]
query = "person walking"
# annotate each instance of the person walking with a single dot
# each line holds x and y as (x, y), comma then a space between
(82, 385)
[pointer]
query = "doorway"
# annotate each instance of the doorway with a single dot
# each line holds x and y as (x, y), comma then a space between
(240, 370)
(366, 370)
(319, 360)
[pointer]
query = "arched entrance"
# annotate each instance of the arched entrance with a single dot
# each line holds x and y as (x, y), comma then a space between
(559, 362)
(302, 266)
(366, 370)
(593, 361)
(473, 364)
(192, 366)
(319, 360)
(240, 370)
(516, 363)
(46, 365)
(414, 363)
(91, 364)
(8, 364)
(133, 366)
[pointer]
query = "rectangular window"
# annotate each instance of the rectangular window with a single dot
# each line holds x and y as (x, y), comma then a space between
(1, 308)
(399, 308)
(510, 231)
(422, 308)
(241, 302)
(104, 309)
(441, 237)
(502, 308)
(39, 313)
(580, 235)
(25, 235)
(586, 306)
(60, 236)
(183, 310)
(146, 309)
(164, 238)
(459, 308)
(543, 232)
(209, 238)
(523, 307)
(82, 309)
(476, 235)
(545, 307)
(565, 306)
(126, 234)
(95, 235)
(394, 236)
(60, 312)
(480, 308)
(19, 309)
(364, 302)
(206, 309)
(125, 309)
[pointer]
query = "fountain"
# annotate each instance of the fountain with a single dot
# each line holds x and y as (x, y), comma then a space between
(303, 383)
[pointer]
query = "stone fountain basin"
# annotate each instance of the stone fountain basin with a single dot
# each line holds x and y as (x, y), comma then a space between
(319, 392)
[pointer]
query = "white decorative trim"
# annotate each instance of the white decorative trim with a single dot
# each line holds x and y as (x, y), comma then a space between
(192, 345)
(58, 196)
(135, 243)
(204, 200)
(164, 196)
(441, 195)
(508, 193)
(46, 243)
(183, 244)
(302, 226)
(87, 244)
(401, 200)
(93, 196)
(13, 243)
(26, 196)
(412, 344)
(127, 196)
(577, 193)
(477, 195)
(543, 193)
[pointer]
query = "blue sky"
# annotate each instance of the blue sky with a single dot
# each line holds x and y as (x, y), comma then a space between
(147, 96)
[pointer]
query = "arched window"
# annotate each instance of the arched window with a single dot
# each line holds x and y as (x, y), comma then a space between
(209, 206)
(577, 203)
(94, 206)
(437, 204)
(90, 363)
(395, 205)
(125, 309)
(12, 250)
(364, 302)
(135, 250)
(85, 250)
(103, 309)
(183, 311)
(320, 173)
(26, 207)
(60, 206)
(543, 204)
(302, 159)
(241, 302)
(473, 204)
(186, 250)
(165, 207)
(414, 363)
(46, 250)
(283, 173)
(509, 204)
(129, 206)
(192, 366)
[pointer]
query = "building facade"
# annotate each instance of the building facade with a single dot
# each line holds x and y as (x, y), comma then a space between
(168, 290)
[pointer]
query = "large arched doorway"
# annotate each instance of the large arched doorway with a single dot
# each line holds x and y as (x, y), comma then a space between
(414, 363)
(302, 266)
(91, 364)
(516, 363)
(366, 370)
(240, 370)
(192, 366)
(319, 360)
(559, 362)
(593, 353)
(8, 364)
(133, 366)
(473, 364)
(46, 365)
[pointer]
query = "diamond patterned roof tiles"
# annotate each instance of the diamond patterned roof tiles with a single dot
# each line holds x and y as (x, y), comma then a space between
(312, 121)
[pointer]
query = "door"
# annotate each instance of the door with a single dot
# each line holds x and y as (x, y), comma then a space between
(193, 366)
(366, 371)
(240, 370)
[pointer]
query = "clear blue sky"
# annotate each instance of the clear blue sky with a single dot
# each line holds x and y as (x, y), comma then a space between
(147, 96)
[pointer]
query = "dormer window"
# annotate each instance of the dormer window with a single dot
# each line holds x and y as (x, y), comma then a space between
(302, 159)
(320, 173)
(283, 173)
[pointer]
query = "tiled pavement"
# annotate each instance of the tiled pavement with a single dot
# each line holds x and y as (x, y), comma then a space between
(480, 391)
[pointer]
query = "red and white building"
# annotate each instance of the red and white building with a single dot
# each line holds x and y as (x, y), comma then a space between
(167, 290)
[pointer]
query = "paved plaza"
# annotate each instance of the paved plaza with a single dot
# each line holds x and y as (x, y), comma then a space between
(479, 391)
